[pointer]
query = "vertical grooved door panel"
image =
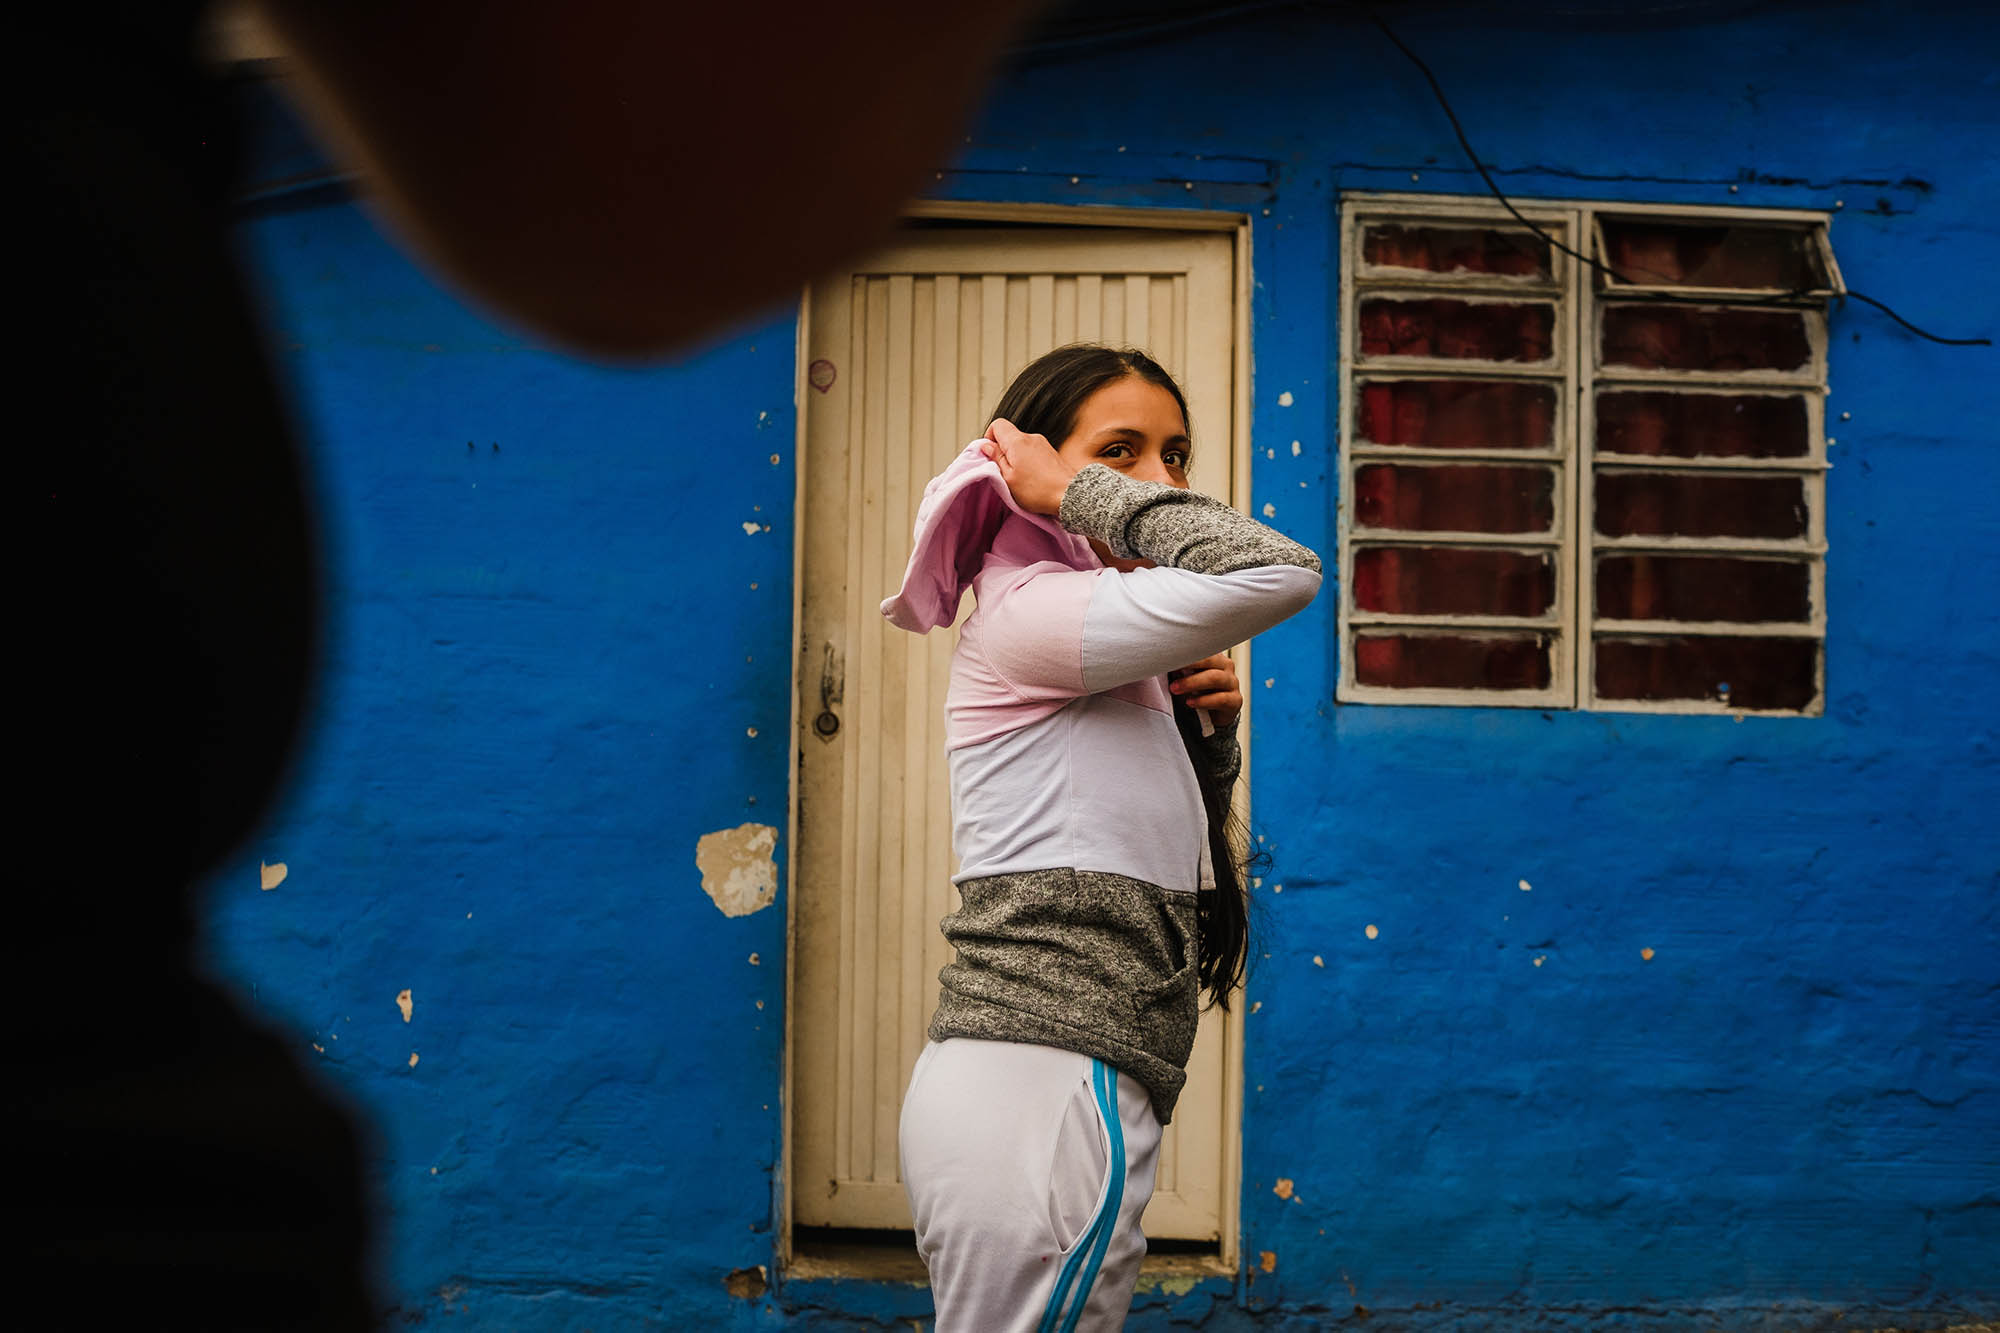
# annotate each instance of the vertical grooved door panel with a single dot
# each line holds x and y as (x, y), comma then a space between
(911, 351)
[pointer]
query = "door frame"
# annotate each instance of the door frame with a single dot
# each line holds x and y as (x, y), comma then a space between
(1237, 227)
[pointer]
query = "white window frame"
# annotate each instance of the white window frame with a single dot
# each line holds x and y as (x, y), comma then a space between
(1581, 296)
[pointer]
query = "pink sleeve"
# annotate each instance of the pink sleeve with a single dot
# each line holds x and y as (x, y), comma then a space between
(1032, 631)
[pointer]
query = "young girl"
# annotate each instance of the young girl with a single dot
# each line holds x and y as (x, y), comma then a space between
(1090, 726)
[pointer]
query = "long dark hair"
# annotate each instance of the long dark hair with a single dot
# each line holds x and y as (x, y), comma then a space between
(1044, 400)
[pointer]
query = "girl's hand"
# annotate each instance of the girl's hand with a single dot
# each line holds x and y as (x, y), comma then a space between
(1033, 470)
(1211, 684)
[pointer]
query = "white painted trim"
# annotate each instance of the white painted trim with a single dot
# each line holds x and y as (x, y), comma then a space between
(1702, 708)
(1490, 286)
(1032, 253)
(1710, 464)
(1764, 298)
(781, 1201)
(1230, 1242)
(1708, 629)
(1551, 698)
(1710, 545)
(1385, 620)
(1364, 536)
(1574, 601)
(1451, 206)
(1748, 381)
(1416, 368)
(1410, 453)
(1079, 215)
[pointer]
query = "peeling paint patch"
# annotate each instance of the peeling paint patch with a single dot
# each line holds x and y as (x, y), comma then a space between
(404, 1003)
(1270, 511)
(1295, 449)
(1646, 954)
(413, 1059)
(1267, 1260)
(745, 1283)
(1372, 932)
(1285, 398)
(1525, 886)
(751, 529)
(738, 872)
(1168, 1284)
(271, 874)
(1283, 1189)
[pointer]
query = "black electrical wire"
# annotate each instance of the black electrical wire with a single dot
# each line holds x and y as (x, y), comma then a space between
(1948, 342)
(1508, 204)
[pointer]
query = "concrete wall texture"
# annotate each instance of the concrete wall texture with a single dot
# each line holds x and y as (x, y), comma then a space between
(560, 655)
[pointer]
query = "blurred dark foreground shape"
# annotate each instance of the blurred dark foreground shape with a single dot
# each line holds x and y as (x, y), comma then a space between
(619, 178)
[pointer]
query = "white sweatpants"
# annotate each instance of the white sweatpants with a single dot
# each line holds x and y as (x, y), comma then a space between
(1027, 1169)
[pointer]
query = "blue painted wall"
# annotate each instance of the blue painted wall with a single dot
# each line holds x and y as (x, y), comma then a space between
(557, 658)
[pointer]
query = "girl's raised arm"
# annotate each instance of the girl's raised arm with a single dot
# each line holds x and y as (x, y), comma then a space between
(1223, 577)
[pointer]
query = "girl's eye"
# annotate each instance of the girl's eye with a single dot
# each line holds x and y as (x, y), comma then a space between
(1117, 450)
(1177, 459)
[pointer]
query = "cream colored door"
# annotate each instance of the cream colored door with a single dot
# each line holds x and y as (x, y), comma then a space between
(906, 355)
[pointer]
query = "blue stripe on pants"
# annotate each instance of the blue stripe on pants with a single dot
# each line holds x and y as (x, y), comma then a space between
(1096, 1238)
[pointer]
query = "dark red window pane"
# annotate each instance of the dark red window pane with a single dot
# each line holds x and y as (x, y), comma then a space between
(1686, 338)
(1407, 661)
(1454, 497)
(1675, 254)
(1744, 673)
(1453, 581)
(1457, 330)
(1702, 587)
(1681, 504)
(1456, 250)
(1702, 425)
(1458, 414)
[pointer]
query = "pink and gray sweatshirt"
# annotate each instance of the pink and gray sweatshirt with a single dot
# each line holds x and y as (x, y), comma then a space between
(1078, 824)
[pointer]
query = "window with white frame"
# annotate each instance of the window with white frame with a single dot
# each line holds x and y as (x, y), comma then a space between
(1569, 485)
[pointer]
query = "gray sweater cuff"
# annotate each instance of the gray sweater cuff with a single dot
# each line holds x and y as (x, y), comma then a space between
(1172, 527)
(1221, 756)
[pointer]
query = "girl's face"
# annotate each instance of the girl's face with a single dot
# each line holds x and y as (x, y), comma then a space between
(1135, 427)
